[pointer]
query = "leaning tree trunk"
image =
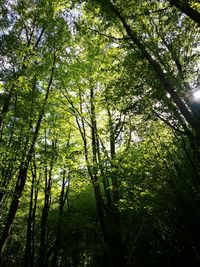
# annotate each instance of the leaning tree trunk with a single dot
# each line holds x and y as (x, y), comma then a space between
(184, 7)
(166, 85)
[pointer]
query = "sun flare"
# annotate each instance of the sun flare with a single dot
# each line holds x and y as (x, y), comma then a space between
(196, 95)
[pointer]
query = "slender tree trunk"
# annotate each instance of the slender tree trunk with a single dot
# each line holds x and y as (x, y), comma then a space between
(21, 179)
(14, 204)
(108, 215)
(46, 207)
(29, 250)
(165, 83)
(6, 105)
(43, 248)
(48, 168)
(63, 197)
(184, 7)
(115, 187)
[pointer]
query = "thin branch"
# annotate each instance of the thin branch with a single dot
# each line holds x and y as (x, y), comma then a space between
(167, 122)
(103, 34)
(39, 38)
(147, 12)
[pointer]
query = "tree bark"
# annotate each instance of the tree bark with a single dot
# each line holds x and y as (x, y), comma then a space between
(185, 8)
(29, 250)
(63, 197)
(108, 215)
(47, 203)
(21, 178)
(165, 83)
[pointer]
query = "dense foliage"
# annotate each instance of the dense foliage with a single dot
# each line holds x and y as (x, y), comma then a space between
(99, 133)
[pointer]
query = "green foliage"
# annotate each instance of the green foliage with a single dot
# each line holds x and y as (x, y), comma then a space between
(115, 161)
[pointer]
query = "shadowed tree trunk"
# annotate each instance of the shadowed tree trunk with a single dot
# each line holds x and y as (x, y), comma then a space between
(108, 213)
(63, 197)
(22, 175)
(48, 168)
(29, 250)
(184, 7)
(167, 86)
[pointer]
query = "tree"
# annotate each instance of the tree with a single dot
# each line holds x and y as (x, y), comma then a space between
(185, 7)
(99, 136)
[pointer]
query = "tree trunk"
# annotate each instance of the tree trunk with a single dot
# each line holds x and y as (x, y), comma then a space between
(46, 207)
(29, 250)
(5, 107)
(14, 204)
(43, 248)
(63, 197)
(108, 215)
(21, 179)
(108, 219)
(165, 83)
(184, 7)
